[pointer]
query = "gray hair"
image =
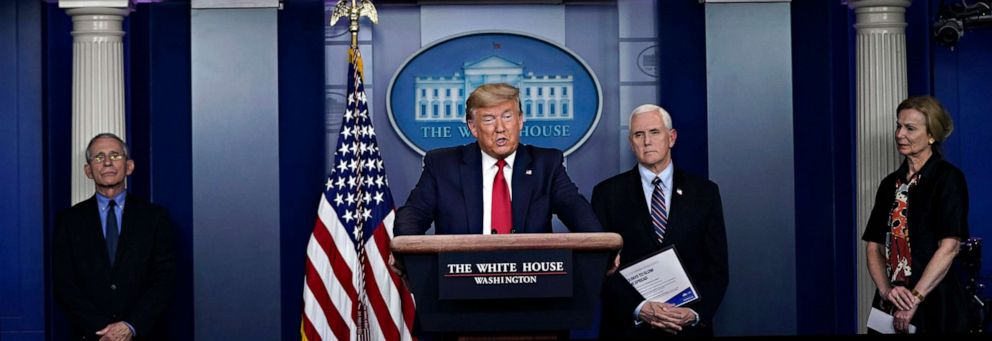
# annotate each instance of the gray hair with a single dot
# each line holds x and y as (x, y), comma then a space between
(647, 108)
(89, 157)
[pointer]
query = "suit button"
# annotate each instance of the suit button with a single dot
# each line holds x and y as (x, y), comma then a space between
(113, 287)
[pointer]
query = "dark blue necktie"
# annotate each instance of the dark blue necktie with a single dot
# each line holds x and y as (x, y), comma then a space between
(112, 232)
(659, 213)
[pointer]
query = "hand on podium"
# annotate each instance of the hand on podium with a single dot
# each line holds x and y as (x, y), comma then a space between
(397, 268)
(613, 267)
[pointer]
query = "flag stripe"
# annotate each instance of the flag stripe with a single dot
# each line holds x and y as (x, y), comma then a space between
(378, 305)
(340, 258)
(338, 264)
(386, 281)
(315, 316)
(319, 292)
(309, 333)
(406, 301)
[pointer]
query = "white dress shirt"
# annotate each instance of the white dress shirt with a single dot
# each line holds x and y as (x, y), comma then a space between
(488, 176)
(647, 176)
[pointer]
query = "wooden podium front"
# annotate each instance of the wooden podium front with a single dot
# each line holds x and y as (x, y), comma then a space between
(511, 286)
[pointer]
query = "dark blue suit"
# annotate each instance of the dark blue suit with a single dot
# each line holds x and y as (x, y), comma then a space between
(136, 289)
(449, 194)
(695, 227)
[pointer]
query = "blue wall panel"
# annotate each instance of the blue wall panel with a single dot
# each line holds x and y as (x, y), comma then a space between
(825, 245)
(596, 44)
(682, 80)
(57, 108)
(301, 145)
(919, 43)
(402, 163)
(235, 165)
(963, 82)
(22, 296)
(749, 91)
(160, 135)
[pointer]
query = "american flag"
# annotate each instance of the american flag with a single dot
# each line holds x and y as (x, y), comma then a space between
(349, 291)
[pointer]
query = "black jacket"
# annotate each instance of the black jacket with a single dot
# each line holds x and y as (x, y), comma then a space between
(695, 227)
(137, 289)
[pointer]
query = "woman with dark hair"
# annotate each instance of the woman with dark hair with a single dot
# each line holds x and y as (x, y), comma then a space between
(919, 218)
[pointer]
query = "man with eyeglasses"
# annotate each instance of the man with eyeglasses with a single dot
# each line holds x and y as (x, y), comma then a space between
(494, 185)
(113, 254)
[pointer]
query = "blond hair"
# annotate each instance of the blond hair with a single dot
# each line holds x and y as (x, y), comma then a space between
(939, 124)
(488, 95)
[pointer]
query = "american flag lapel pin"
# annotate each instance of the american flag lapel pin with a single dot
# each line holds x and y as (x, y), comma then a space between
(678, 191)
(529, 172)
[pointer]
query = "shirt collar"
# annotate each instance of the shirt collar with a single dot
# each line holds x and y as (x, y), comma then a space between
(490, 162)
(103, 201)
(647, 176)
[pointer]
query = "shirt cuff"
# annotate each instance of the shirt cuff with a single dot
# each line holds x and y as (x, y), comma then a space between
(696, 321)
(637, 313)
(129, 326)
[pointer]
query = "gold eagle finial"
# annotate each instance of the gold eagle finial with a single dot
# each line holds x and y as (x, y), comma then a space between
(354, 10)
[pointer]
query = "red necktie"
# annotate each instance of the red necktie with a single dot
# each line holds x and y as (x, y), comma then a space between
(501, 214)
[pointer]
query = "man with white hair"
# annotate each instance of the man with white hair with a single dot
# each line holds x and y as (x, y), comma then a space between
(113, 255)
(654, 206)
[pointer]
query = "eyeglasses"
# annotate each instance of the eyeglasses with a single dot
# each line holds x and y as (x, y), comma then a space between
(114, 156)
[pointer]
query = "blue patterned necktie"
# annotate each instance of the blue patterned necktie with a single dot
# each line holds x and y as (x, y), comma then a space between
(112, 232)
(659, 213)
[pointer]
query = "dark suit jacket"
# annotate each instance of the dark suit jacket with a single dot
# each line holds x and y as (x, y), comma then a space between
(695, 227)
(449, 194)
(137, 289)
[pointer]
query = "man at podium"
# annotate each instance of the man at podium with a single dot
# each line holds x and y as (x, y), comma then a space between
(654, 206)
(494, 185)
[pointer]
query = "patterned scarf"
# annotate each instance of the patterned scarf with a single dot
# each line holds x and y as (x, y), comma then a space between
(897, 247)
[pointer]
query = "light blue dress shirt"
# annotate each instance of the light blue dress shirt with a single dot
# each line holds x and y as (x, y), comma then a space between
(103, 203)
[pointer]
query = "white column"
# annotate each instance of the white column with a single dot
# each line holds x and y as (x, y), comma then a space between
(97, 84)
(881, 85)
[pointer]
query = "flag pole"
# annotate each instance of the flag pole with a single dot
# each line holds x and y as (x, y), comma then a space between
(349, 292)
(355, 10)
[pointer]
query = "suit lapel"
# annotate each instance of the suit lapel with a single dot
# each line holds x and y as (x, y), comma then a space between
(678, 202)
(471, 176)
(93, 230)
(523, 186)
(638, 207)
(129, 222)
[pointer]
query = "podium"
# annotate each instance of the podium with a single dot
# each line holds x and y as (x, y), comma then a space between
(522, 286)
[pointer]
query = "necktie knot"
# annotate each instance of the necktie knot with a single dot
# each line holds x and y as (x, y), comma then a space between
(112, 204)
(500, 163)
(656, 181)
